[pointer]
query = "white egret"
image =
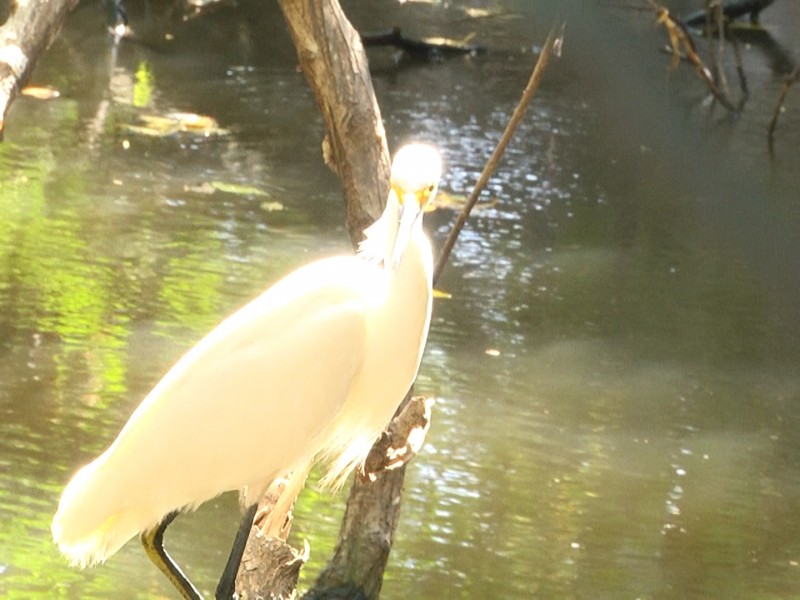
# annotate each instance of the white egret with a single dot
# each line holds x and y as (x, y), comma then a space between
(313, 369)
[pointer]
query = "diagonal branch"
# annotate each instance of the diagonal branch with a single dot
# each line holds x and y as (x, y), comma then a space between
(553, 42)
(787, 84)
(680, 37)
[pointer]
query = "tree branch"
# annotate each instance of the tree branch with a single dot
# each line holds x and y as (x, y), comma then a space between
(554, 40)
(788, 82)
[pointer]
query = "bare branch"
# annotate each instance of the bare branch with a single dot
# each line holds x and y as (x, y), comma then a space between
(553, 42)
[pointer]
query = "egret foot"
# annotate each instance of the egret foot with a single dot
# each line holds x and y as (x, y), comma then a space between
(153, 542)
(227, 583)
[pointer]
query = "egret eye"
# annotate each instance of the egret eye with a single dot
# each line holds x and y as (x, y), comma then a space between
(426, 194)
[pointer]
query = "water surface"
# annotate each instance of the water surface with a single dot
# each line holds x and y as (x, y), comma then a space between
(616, 372)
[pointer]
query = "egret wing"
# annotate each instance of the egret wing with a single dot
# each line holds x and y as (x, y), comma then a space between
(253, 398)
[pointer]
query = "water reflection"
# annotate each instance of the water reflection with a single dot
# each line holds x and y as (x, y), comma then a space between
(631, 431)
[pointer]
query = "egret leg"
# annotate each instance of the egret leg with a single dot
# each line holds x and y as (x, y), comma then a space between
(153, 542)
(227, 583)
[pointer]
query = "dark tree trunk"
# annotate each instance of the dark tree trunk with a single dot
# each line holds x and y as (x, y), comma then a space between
(330, 54)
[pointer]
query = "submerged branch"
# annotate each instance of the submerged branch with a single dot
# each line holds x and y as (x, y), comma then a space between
(680, 38)
(792, 79)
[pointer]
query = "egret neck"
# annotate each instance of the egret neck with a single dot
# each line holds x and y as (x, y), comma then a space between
(397, 326)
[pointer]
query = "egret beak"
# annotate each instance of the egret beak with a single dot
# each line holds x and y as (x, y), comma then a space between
(410, 213)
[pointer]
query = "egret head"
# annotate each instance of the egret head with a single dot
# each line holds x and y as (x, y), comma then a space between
(416, 170)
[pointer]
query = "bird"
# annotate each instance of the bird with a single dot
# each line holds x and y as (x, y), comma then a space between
(310, 371)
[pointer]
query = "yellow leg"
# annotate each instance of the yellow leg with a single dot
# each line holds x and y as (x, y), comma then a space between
(153, 542)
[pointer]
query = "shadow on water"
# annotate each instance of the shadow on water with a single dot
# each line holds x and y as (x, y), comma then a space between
(615, 372)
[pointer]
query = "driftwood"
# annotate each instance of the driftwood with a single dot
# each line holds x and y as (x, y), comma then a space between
(373, 509)
(420, 49)
(28, 31)
(731, 10)
(401, 441)
(270, 567)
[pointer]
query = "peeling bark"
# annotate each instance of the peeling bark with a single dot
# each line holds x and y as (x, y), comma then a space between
(373, 510)
(271, 566)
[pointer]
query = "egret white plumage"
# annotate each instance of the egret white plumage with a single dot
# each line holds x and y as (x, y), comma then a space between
(313, 369)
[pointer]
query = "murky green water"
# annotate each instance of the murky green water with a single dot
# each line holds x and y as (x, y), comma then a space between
(616, 373)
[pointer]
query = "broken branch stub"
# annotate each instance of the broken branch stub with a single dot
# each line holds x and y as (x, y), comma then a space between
(402, 440)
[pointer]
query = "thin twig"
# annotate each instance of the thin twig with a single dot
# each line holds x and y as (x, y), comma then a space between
(554, 38)
(715, 7)
(787, 83)
(743, 87)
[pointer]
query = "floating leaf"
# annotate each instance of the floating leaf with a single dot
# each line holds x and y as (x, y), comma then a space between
(271, 206)
(450, 42)
(239, 190)
(202, 188)
(443, 200)
(486, 12)
(211, 187)
(40, 92)
(194, 122)
(173, 123)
